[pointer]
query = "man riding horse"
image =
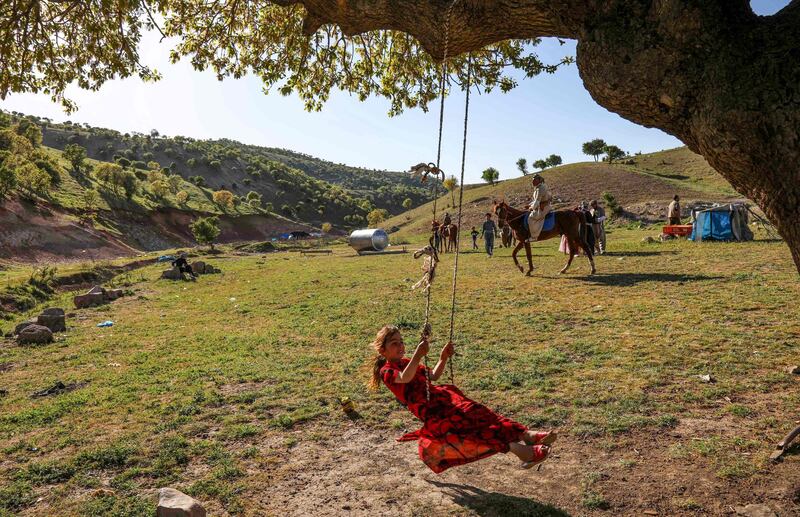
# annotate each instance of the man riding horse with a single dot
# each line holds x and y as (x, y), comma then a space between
(539, 207)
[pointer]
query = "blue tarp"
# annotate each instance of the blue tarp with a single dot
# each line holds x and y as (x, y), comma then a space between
(712, 225)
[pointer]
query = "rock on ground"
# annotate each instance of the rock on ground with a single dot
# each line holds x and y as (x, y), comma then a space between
(172, 503)
(35, 334)
(199, 267)
(171, 274)
(53, 318)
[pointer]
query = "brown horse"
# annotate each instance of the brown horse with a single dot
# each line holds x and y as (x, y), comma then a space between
(450, 237)
(568, 222)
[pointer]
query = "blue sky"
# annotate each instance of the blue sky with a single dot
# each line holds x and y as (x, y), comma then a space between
(544, 115)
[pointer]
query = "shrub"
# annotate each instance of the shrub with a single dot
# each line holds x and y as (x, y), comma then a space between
(8, 180)
(205, 230)
(182, 197)
(223, 198)
(612, 204)
(377, 216)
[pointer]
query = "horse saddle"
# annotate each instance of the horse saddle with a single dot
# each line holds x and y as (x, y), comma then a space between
(549, 221)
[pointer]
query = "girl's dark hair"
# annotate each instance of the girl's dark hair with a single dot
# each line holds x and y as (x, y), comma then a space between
(378, 345)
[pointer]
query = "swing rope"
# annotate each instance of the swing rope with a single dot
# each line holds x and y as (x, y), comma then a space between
(460, 205)
(435, 192)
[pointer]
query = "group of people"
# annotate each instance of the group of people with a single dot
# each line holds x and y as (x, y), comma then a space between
(539, 208)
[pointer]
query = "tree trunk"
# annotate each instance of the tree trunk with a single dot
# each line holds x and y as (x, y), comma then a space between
(712, 73)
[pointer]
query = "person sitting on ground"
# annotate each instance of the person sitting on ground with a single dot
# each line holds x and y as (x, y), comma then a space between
(539, 207)
(183, 266)
(674, 210)
(456, 430)
(489, 231)
(474, 234)
(599, 226)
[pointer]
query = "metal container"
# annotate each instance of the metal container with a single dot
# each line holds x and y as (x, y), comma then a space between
(369, 240)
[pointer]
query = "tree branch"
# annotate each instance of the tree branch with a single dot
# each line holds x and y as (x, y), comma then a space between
(475, 23)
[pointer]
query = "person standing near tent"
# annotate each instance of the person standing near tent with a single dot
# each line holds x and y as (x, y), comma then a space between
(674, 210)
(539, 207)
(488, 231)
(599, 226)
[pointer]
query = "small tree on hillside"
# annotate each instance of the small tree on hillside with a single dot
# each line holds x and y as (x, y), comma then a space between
(613, 153)
(33, 180)
(269, 207)
(407, 203)
(160, 188)
(104, 172)
(326, 227)
(254, 199)
(8, 180)
(174, 183)
(451, 184)
(554, 160)
(123, 162)
(153, 166)
(540, 164)
(223, 199)
(205, 230)
(612, 204)
(76, 156)
(91, 200)
(377, 216)
(182, 197)
(594, 147)
(522, 166)
(490, 175)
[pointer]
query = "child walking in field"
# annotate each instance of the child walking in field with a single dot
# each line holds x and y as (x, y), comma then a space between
(456, 430)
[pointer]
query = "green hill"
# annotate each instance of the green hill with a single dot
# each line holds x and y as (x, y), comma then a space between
(643, 185)
(294, 185)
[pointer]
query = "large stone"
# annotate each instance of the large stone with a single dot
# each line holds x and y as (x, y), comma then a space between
(24, 324)
(199, 267)
(171, 274)
(172, 503)
(113, 294)
(54, 322)
(35, 334)
(53, 311)
(83, 301)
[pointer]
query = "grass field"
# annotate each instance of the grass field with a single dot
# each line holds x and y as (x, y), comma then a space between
(227, 388)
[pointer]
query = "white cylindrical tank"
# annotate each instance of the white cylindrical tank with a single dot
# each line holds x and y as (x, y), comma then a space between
(369, 240)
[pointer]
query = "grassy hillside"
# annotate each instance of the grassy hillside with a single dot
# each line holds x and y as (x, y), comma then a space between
(644, 188)
(227, 388)
(295, 185)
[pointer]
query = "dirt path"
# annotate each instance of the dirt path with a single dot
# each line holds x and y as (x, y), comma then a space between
(367, 472)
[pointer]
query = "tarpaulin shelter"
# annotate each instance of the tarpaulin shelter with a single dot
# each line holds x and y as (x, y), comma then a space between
(721, 223)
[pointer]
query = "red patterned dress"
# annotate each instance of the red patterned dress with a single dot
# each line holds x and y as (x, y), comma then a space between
(456, 430)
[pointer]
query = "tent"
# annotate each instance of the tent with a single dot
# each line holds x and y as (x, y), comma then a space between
(721, 223)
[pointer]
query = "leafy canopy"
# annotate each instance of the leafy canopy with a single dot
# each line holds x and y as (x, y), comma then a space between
(56, 43)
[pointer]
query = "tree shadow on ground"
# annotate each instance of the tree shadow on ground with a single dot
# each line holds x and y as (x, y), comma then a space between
(631, 279)
(496, 504)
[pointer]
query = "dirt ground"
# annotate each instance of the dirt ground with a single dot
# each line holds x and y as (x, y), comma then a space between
(365, 472)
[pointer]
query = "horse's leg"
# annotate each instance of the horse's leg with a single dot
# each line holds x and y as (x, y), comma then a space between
(572, 247)
(530, 258)
(514, 256)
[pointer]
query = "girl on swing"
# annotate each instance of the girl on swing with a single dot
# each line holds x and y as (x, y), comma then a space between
(456, 430)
